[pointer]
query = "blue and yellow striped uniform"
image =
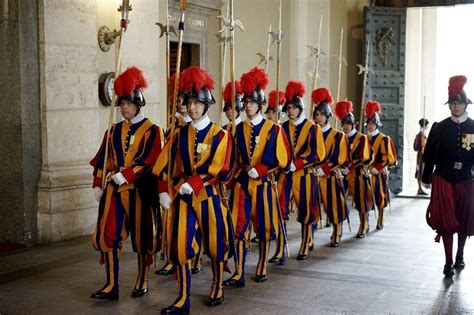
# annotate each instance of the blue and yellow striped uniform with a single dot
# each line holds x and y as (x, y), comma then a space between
(200, 158)
(264, 147)
(129, 208)
(331, 185)
(358, 179)
(383, 154)
(307, 144)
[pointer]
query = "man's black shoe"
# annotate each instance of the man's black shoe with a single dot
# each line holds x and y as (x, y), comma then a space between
(139, 292)
(448, 270)
(302, 257)
(195, 270)
(261, 278)
(215, 302)
(234, 283)
(110, 296)
(175, 310)
(459, 264)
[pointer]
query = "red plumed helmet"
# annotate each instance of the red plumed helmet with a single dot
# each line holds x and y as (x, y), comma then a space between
(196, 83)
(272, 99)
(456, 91)
(128, 81)
(254, 83)
(294, 88)
(456, 85)
(195, 78)
(321, 95)
(228, 91)
(343, 109)
(371, 108)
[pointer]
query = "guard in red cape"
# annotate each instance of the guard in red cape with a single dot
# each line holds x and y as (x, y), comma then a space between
(128, 204)
(383, 155)
(200, 157)
(450, 152)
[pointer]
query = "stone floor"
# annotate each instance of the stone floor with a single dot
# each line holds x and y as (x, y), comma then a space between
(395, 270)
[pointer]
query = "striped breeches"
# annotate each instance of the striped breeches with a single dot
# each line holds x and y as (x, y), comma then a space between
(334, 199)
(196, 221)
(302, 186)
(256, 204)
(123, 213)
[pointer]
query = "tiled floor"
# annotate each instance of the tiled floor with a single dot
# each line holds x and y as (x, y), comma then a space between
(395, 270)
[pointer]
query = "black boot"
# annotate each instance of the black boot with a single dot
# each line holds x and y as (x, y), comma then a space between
(459, 263)
(448, 270)
(175, 310)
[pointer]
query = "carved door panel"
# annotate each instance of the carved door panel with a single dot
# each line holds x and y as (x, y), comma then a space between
(385, 34)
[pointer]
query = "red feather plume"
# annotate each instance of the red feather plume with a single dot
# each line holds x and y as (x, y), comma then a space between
(272, 101)
(321, 94)
(256, 77)
(294, 88)
(371, 108)
(343, 108)
(195, 78)
(228, 91)
(456, 85)
(129, 80)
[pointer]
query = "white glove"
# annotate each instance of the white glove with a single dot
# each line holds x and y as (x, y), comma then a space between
(426, 185)
(292, 167)
(321, 172)
(253, 173)
(185, 189)
(165, 200)
(344, 171)
(119, 179)
(98, 193)
(374, 171)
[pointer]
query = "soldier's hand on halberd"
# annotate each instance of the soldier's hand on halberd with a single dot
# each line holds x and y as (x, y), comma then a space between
(185, 189)
(426, 185)
(253, 173)
(374, 171)
(98, 193)
(292, 167)
(344, 171)
(165, 200)
(119, 179)
(321, 172)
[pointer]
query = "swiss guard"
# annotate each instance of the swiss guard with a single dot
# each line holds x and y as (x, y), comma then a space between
(261, 148)
(227, 109)
(127, 205)
(337, 157)
(357, 178)
(450, 152)
(200, 155)
(274, 105)
(419, 146)
(383, 155)
(307, 145)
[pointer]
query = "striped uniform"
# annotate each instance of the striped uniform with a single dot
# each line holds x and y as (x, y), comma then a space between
(129, 208)
(262, 146)
(168, 267)
(331, 185)
(200, 157)
(419, 146)
(383, 154)
(357, 181)
(307, 143)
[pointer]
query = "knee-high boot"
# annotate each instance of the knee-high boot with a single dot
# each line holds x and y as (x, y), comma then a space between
(110, 291)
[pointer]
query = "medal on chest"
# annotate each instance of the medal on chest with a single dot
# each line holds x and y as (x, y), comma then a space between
(467, 141)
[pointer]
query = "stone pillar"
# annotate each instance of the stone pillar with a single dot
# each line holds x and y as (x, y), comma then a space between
(19, 104)
(69, 114)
